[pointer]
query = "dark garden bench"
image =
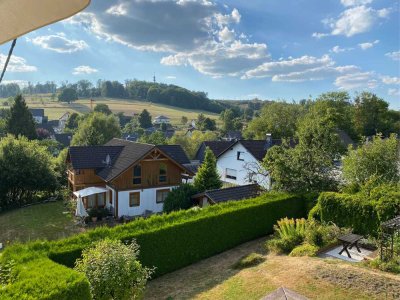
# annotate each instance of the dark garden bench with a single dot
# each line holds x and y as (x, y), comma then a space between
(349, 241)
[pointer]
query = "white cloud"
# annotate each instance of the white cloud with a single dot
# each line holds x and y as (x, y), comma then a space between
(84, 70)
(393, 55)
(17, 64)
(216, 59)
(338, 49)
(394, 92)
(354, 20)
(59, 43)
(171, 77)
(390, 80)
(188, 32)
(355, 2)
(356, 80)
(368, 45)
(305, 68)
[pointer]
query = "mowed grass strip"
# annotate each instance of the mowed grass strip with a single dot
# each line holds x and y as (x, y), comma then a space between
(54, 109)
(49, 221)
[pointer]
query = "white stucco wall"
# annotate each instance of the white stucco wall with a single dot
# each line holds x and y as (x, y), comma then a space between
(243, 168)
(148, 201)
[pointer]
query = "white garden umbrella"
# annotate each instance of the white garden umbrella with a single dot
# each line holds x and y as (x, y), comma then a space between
(80, 208)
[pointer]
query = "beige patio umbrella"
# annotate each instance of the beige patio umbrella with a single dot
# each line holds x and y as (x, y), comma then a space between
(18, 17)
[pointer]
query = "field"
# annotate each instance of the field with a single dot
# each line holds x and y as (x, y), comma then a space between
(41, 221)
(315, 278)
(54, 109)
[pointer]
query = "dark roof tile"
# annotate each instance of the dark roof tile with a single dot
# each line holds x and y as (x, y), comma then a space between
(92, 157)
(175, 152)
(232, 194)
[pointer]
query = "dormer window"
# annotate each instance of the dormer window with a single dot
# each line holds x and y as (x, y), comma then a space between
(163, 173)
(240, 155)
(137, 174)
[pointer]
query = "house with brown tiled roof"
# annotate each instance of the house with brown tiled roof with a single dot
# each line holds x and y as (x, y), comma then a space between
(127, 178)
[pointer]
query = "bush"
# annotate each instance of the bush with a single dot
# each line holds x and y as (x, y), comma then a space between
(168, 242)
(113, 270)
(304, 250)
(251, 260)
(180, 198)
(288, 234)
(364, 212)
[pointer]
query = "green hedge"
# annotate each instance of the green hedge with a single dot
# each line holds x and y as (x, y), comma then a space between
(362, 212)
(44, 279)
(168, 242)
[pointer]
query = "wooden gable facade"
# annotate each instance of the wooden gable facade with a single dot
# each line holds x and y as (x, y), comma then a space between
(156, 169)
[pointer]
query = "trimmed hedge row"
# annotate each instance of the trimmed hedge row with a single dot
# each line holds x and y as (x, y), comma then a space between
(362, 213)
(168, 242)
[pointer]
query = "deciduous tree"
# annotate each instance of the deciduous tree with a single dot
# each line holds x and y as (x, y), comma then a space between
(145, 119)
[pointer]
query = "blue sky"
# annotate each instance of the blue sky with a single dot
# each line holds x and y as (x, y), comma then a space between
(238, 49)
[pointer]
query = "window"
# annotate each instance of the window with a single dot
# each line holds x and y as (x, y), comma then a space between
(163, 173)
(101, 200)
(240, 155)
(137, 174)
(91, 201)
(134, 199)
(161, 195)
(231, 173)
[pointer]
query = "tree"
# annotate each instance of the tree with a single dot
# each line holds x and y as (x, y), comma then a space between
(156, 138)
(68, 95)
(145, 119)
(371, 115)
(72, 122)
(208, 124)
(184, 120)
(20, 120)
(96, 129)
(42, 133)
(379, 158)
(180, 198)
(227, 117)
(207, 177)
(309, 166)
(83, 88)
(26, 170)
(102, 108)
(277, 118)
(192, 143)
(113, 270)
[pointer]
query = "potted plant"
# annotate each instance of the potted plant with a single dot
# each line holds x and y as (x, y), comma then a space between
(93, 214)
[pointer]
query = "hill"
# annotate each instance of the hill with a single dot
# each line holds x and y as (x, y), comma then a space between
(55, 109)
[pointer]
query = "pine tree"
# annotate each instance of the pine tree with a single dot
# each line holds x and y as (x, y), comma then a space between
(207, 177)
(20, 120)
(145, 119)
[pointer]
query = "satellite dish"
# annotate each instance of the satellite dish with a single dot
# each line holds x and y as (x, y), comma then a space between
(108, 160)
(18, 17)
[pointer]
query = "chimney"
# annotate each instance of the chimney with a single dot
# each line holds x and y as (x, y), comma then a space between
(268, 141)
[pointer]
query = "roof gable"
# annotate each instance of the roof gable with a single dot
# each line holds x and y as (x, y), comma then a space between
(175, 152)
(217, 147)
(232, 194)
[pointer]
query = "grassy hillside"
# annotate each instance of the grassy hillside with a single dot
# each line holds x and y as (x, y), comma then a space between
(54, 109)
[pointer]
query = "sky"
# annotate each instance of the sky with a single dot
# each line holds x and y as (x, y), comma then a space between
(238, 49)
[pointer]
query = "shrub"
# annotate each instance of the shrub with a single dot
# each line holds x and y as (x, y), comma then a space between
(113, 270)
(304, 250)
(251, 260)
(392, 265)
(180, 198)
(288, 234)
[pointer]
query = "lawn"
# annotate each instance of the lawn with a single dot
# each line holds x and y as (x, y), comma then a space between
(54, 109)
(315, 278)
(41, 221)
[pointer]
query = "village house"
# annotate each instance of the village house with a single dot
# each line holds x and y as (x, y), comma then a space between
(127, 178)
(38, 115)
(161, 119)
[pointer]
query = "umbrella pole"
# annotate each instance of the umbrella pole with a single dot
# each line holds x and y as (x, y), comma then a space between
(8, 59)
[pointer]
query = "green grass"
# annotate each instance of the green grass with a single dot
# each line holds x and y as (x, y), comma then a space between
(41, 221)
(54, 109)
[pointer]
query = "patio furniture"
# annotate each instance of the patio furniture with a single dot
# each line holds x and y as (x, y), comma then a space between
(349, 241)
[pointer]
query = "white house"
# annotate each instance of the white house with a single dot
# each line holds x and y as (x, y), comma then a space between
(128, 178)
(161, 119)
